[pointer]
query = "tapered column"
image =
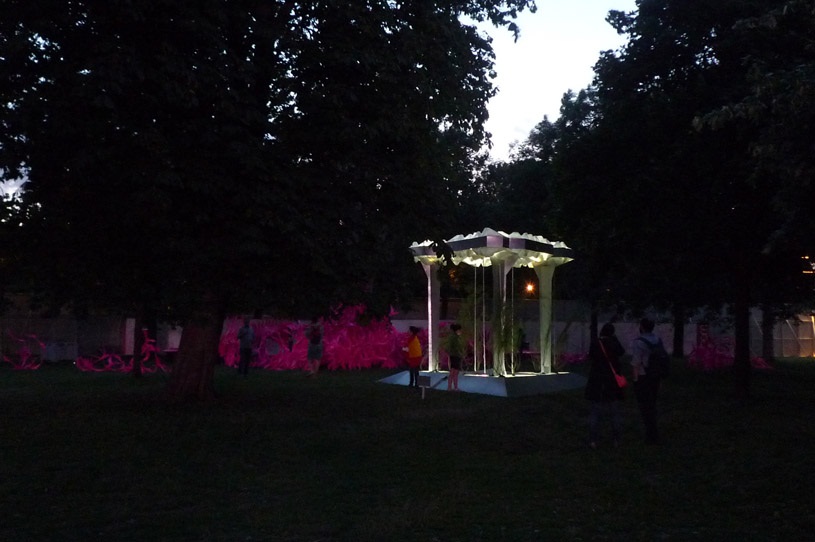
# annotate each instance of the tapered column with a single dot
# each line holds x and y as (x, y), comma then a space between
(545, 274)
(499, 289)
(433, 302)
(501, 334)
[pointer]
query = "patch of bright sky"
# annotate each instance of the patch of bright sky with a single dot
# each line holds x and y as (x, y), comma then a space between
(557, 48)
(9, 189)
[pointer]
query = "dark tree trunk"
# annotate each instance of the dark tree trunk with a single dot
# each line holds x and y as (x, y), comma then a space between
(192, 377)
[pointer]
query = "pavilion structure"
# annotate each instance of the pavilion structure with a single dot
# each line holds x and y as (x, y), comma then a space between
(501, 252)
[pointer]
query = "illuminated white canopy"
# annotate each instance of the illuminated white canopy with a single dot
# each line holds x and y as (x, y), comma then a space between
(489, 246)
(502, 252)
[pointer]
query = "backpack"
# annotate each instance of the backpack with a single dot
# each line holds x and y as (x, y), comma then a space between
(659, 362)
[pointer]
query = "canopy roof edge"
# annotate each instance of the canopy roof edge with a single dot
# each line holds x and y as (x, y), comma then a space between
(489, 246)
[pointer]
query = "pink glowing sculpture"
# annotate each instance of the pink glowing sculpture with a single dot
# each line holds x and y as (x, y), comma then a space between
(108, 361)
(25, 358)
(572, 358)
(105, 361)
(711, 354)
(150, 359)
(348, 344)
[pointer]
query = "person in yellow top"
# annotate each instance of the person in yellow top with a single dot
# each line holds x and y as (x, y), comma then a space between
(414, 356)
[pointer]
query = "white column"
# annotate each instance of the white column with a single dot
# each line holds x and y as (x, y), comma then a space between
(500, 270)
(545, 274)
(433, 302)
(499, 293)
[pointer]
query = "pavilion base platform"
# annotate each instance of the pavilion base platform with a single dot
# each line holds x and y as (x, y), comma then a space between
(520, 385)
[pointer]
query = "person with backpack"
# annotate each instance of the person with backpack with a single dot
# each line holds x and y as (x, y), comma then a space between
(246, 339)
(649, 362)
(314, 333)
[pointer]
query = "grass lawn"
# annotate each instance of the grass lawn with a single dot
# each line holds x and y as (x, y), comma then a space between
(281, 457)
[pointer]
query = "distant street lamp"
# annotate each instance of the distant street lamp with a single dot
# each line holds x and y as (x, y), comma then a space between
(530, 288)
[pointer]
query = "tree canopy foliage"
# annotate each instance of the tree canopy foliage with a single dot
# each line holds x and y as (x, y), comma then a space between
(266, 153)
(189, 158)
(683, 172)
